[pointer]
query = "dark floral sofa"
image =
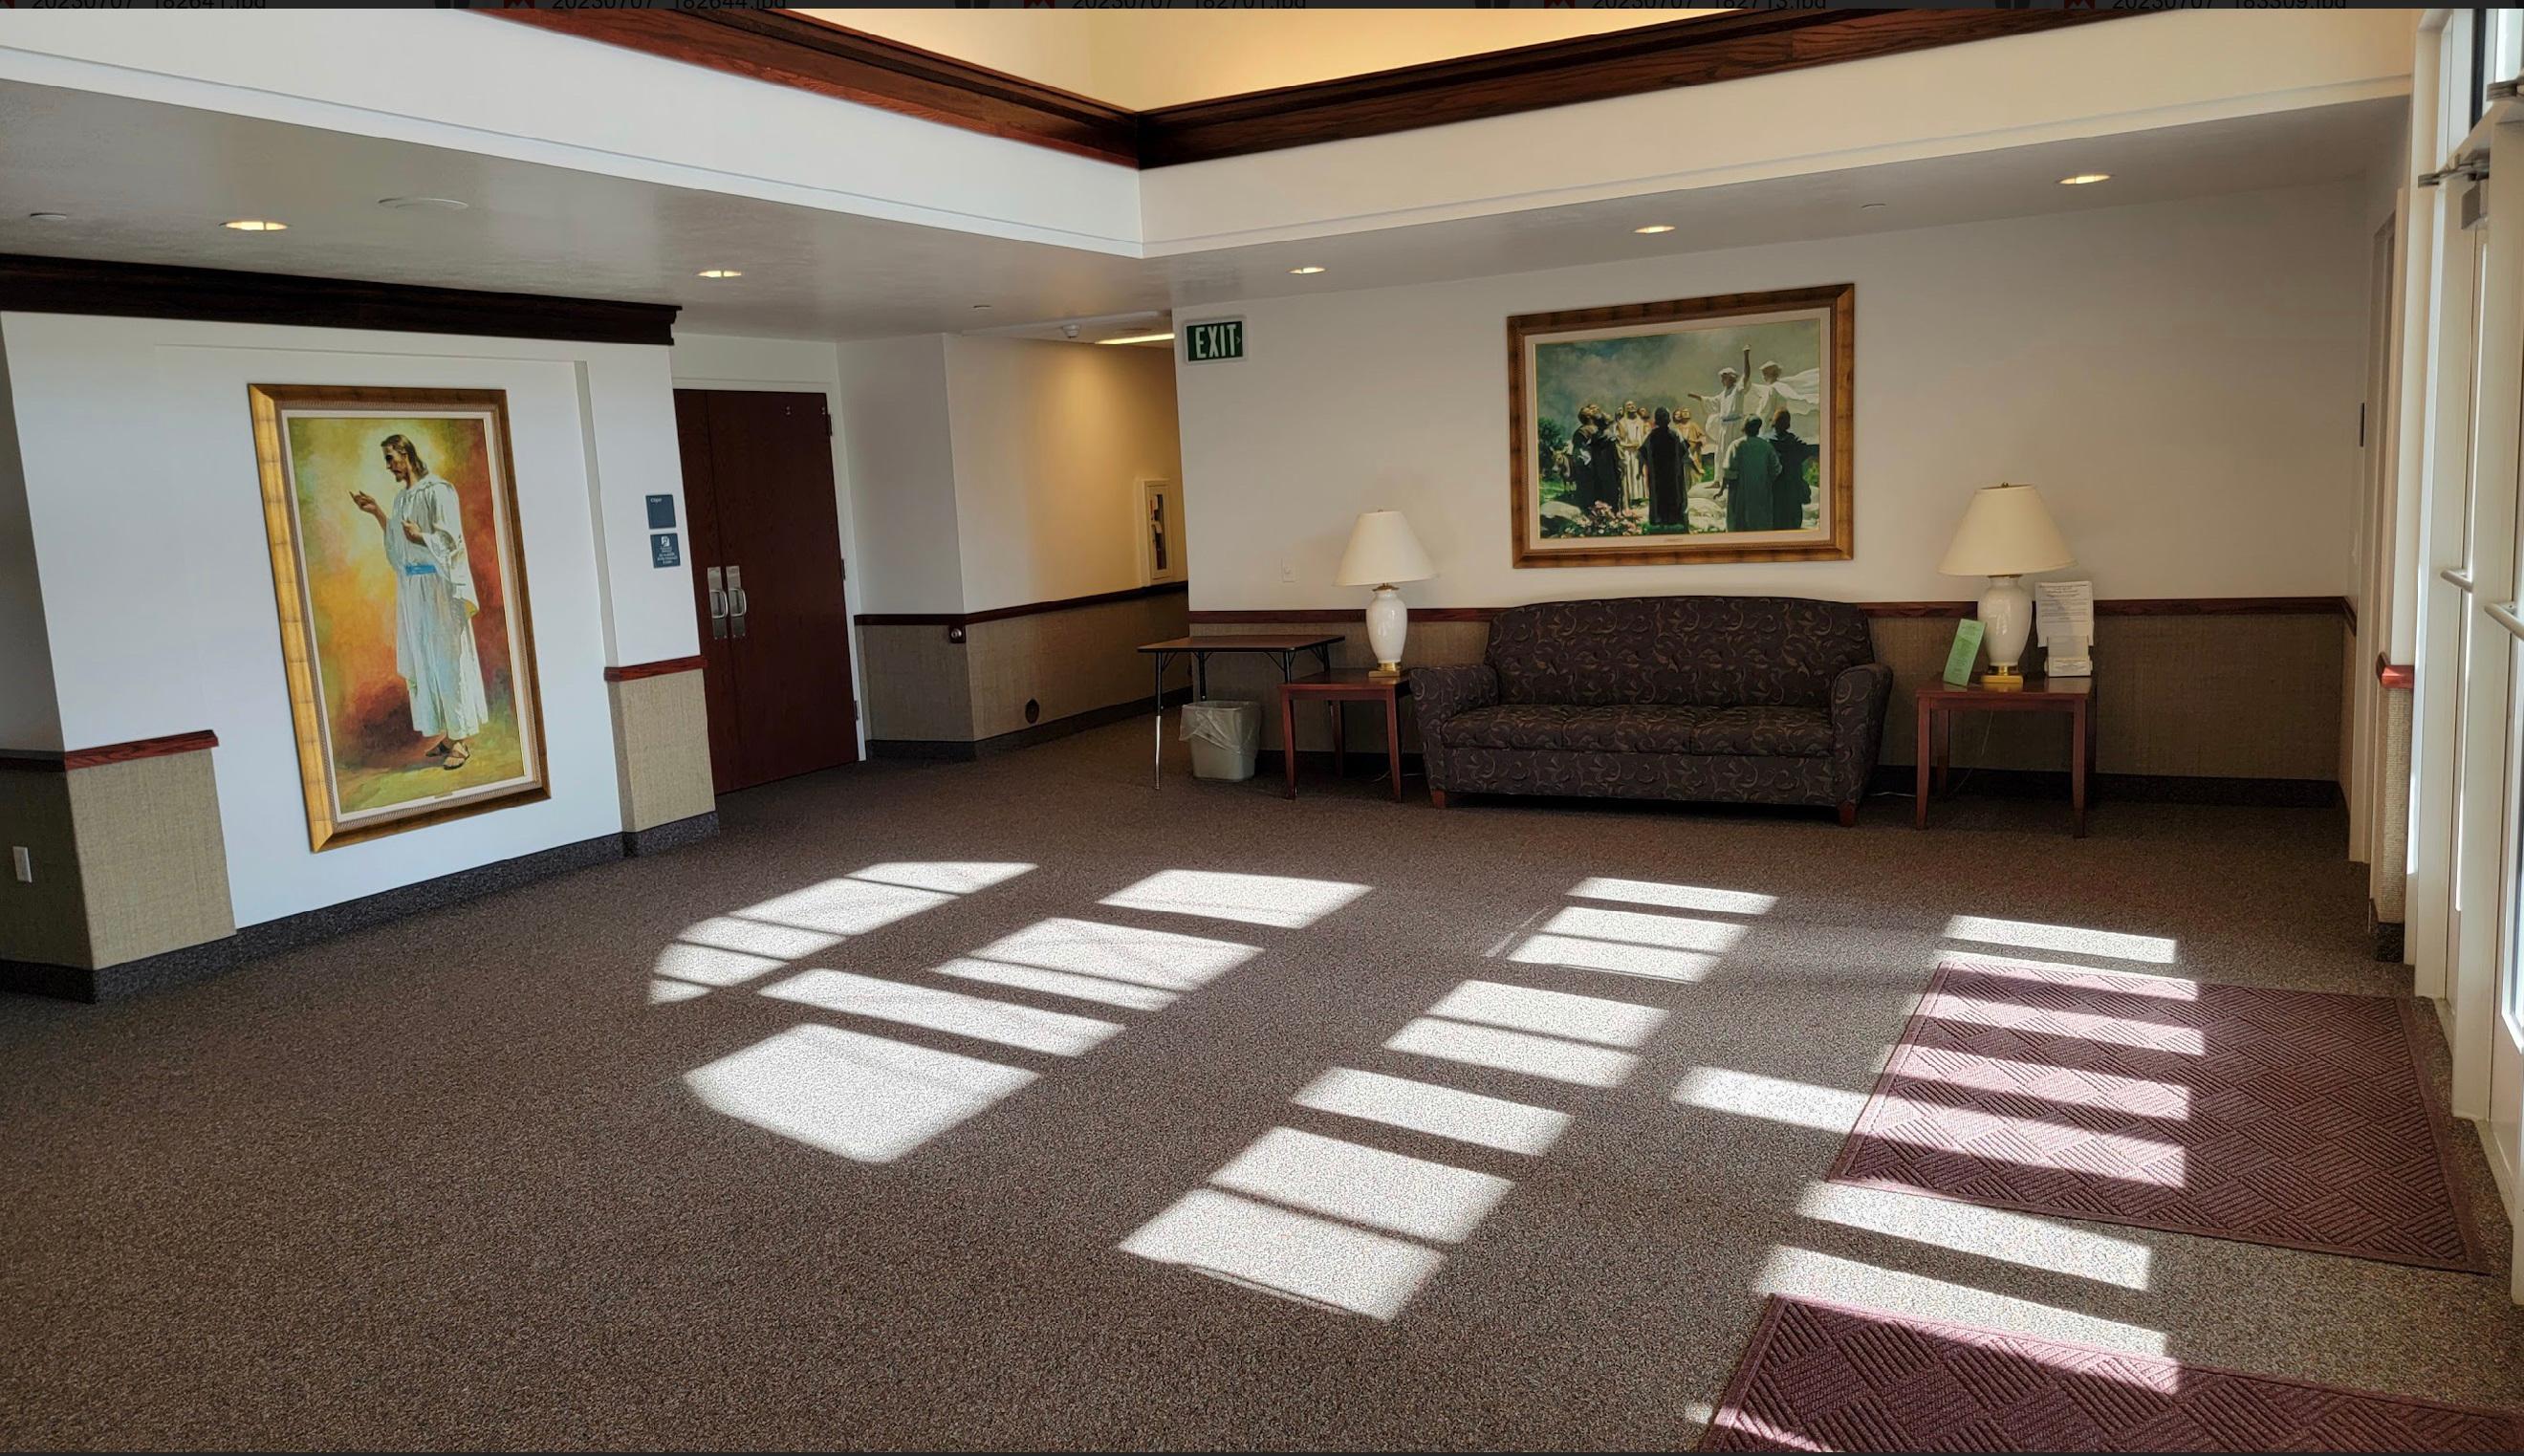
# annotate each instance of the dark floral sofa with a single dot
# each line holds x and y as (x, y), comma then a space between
(1731, 699)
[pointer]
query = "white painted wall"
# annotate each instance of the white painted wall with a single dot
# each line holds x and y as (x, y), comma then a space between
(2180, 379)
(144, 499)
(2084, 81)
(788, 366)
(900, 472)
(1051, 441)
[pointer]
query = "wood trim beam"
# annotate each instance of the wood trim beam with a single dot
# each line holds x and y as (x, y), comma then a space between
(829, 60)
(1029, 609)
(1592, 68)
(665, 667)
(59, 760)
(149, 290)
(813, 55)
(2119, 606)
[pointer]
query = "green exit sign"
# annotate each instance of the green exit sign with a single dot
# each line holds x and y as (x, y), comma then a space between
(1218, 339)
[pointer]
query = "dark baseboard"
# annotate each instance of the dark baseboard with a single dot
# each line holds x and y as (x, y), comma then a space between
(1324, 760)
(934, 749)
(2134, 788)
(952, 751)
(657, 839)
(2387, 934)
(191, 963)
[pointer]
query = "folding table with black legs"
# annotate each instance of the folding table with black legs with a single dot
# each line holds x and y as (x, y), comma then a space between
(1281, 646)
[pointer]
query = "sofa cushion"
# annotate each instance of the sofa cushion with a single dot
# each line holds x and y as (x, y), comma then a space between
(1643, 728)
(1698, 651)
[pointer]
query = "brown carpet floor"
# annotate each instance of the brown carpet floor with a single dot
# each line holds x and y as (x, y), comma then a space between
(1488, 1127)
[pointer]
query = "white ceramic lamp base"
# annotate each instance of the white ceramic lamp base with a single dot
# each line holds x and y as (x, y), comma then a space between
(2007, 625)
(1389, 622)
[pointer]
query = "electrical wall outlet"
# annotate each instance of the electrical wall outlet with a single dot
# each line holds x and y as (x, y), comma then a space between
(1287, 572)
(23, 863)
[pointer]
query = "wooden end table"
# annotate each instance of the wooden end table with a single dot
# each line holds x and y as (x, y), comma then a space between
(1333, 689)
(1940, 701)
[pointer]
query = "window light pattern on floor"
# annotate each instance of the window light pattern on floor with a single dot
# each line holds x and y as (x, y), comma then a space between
(744, 945)
(874, 1099)
(1349, 1225)
(1357, 1227)
(2074, 940)
(868, 1098)
(1281, 901)
(1628, 942)
(1119, 965)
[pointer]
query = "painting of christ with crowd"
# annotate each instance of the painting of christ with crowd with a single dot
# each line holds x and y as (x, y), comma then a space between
(1705, 435)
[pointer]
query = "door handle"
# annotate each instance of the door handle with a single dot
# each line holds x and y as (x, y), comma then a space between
(717, 603)
(738, 605)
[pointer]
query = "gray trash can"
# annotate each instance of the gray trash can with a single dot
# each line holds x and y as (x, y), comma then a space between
(1224, 735)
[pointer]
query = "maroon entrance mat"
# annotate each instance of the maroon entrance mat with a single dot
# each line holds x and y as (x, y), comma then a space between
(1828, 1378)
(2299, 1118)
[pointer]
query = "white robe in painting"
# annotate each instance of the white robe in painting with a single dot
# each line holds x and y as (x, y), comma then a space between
(1629, 432)
(1798, 394)
(1723, 425)
(434, 605)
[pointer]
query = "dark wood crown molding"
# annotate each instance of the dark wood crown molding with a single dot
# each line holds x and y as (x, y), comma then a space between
(1002, 613)
(814, 54)
(63, 760)
(1695, 52)
(150, 290)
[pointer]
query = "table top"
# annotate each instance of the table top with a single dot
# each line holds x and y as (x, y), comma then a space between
(2035, 690)
(1343, 681)
(1245, 642)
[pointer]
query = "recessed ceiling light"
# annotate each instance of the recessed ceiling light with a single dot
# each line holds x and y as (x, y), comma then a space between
(2084, 177)
(256, 225)
(1312, 268)
(48, 216)
(722, 272)
(1655, 227)
(1140, 339)
(441, 204)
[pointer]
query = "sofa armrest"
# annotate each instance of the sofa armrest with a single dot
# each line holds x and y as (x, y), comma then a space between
(1858, 698)
(1443, 693)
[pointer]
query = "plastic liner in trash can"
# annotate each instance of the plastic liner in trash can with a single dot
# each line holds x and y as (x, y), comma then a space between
(1224, 737)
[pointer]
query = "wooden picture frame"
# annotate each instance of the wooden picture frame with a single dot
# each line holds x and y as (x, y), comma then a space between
(1553, 527)
(379, 637)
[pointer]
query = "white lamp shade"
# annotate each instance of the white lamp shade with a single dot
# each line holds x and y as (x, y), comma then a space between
(2005, 532)
(1383, 550)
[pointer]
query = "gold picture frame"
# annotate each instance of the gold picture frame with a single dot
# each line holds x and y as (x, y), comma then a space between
(1613, 357)
(398, 624)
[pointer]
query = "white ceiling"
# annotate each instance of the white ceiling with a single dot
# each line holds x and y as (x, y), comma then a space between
(148, 182)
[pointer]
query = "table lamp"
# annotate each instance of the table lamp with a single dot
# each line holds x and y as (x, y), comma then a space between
(2006, 533)
(1382, 551)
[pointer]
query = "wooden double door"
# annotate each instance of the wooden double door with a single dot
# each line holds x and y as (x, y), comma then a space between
(763, 533)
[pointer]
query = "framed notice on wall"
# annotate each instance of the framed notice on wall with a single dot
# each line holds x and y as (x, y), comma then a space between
(1161, 533)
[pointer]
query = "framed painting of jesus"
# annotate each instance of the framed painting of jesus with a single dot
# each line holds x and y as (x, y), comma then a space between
(1699, 429)
(396, 563)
